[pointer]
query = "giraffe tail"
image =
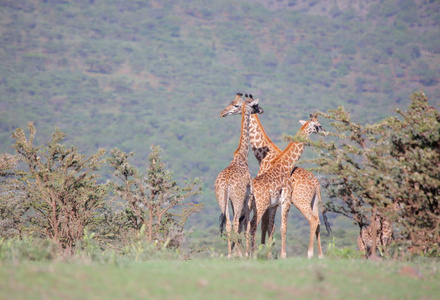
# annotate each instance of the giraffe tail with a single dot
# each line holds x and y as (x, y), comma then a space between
(323, 211)
(326, 222)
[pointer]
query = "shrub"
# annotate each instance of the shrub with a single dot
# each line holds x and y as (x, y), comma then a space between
(60, 186)
(391, 167)
(152, 201)
(27, 248)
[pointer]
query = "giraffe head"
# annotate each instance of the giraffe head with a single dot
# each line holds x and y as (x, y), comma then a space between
(235, 107)
(312, 125)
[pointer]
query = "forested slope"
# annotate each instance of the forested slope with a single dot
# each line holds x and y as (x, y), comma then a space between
(129, 74)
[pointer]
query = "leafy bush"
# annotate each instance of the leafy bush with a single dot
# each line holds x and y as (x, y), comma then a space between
(153, 203)
(60, 187)
(27, 248)
(391, 166)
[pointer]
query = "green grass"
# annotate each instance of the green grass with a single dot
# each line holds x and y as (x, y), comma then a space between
(293, 278)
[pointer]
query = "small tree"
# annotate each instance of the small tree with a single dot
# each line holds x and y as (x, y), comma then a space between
(60, 186)
(152, 200)
(12, 198)
(414, 145)
(344, 158)
(389, 168)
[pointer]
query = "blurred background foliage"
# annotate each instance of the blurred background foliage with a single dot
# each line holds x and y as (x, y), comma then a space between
(129, 74)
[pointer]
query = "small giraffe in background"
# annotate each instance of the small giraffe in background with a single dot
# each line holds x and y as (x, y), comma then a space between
(384, 236)
(274, 186)
(234, 184)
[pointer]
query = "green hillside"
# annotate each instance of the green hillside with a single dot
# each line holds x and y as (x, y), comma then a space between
(129, 74)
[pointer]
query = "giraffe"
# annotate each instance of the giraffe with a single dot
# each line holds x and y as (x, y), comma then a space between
(234, 184)
(303, 197)
(384, 236)
(305, 188)
(274, 186)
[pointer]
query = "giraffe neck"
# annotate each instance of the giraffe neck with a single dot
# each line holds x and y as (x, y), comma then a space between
(261, 144)
(243, 147)
(292, 153)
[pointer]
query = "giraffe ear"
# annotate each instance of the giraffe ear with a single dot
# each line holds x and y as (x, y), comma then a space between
(302, 122)
(254, 101)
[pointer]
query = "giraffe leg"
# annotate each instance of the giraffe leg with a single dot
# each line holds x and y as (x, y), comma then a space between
(228, 231)
(306, 196)
(258, 215)
(271, 211)
(253, 229)
(312, 216)
(246, 230)
(264, 226)
(286, 201)
(284, 214)
(317, 225)
(360, 243)
(237, 214)
(243, 224)
(316, 206)
(318, 241)
(236, 237)
(314, 228)
(244, 218)
(248, 209)
(271, 225)
(232, 236)
(268, 224)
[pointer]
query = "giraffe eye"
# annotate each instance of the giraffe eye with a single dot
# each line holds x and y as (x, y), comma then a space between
(237, 106)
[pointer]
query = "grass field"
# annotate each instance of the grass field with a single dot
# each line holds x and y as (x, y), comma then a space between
(293, 278)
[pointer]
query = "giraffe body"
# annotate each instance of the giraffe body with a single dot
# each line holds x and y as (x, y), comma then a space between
(234, 184)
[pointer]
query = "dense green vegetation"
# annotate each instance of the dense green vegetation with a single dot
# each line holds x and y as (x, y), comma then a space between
(388, 170)
(130, 74)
